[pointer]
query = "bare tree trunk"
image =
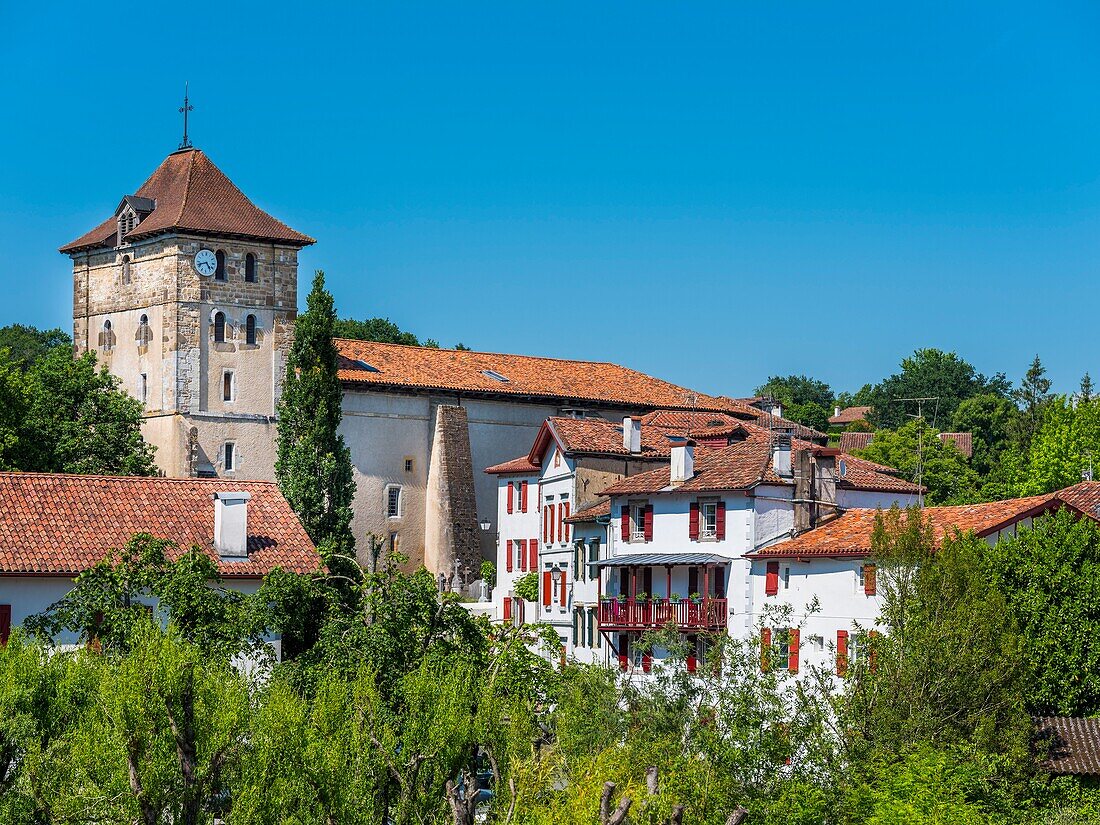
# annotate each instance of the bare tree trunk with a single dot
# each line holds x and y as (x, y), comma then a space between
(677, 815)
(737, 817)
(605, 802)
(183, 731)
(651, 780)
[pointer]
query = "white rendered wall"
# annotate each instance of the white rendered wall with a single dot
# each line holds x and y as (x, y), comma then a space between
(514, 526)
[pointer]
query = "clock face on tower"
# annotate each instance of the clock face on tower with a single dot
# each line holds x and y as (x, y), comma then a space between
(205, 262)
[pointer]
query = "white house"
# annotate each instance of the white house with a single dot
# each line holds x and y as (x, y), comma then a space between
(54, 527)
(831, 567)
(679, 534)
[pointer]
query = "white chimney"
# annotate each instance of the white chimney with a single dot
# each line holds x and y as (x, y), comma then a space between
(836, 411)
(781, 456)
(231, 524)
(632, 435)
(683, 461)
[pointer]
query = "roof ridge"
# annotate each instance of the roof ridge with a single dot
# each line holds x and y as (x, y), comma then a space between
(506, 354)
(107, 477)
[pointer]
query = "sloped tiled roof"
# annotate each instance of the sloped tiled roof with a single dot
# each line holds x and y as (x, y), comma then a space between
(963, 442)
(517, 466)
(591, 512)
(849, 415)
(746, 463)
(1085, 496)
(742, 408)
(855, 441)
(192, 194)
(366, 364)
(850, 533)
(1074, 744)
(64, 524)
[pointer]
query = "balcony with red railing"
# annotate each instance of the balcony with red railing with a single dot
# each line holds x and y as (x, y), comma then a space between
(651, 614)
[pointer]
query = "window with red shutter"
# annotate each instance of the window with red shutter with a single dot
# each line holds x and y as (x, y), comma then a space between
(508, 555)
(625, 520)
(566, 525)
(720, 522)
(547, 522)
(649, 522)
(511, 494)
(765, 649)
(533, 554)
(523, 496)
(771, 579)
(521, 553)
(507, 608)
(841, 652)
(792, 653)
(869, 580)
(561, 593)
(546, 585)
(693, 521)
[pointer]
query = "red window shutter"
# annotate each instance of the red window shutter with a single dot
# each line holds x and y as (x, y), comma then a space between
(792, 650)
(693, 521)
(692, 664)
(561, 593)
(870, 585)
(511, 494)
(533, 554)
(566, 525)
(649, 522)
(771, 580)
(765, 649)
(5, 623)
(720, 521)
(546, 516)
(507, 608)
(523, 496)
(841, 652)
(521, 553)
(508, 556)
(625, 517)
(647, 663)
(546, 588)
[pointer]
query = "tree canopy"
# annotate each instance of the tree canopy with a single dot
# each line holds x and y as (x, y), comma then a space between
(804, 399)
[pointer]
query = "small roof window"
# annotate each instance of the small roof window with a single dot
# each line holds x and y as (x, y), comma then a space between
(496, 376)
(365, 366)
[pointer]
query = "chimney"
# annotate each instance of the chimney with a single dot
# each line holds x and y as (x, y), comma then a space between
(231, 524)
(683, 460)
(632, 435)
(781, 456)
(836, 411)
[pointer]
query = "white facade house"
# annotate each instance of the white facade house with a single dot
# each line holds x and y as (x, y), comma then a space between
(53, 527)
(679, 537)
(825, 581)
(571, 462)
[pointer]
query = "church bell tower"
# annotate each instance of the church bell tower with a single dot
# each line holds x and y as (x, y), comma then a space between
(188, 294)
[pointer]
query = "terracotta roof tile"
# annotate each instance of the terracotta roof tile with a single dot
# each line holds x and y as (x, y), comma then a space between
(741, 407)
(850, 533)
(368, 363)
(591, 512)
(855, 441)
(744, 464)
(192, 194)
(963, 442)
(1074, 744)
(64, 524)
(1085, 496)
(849, 415)
(517, 466)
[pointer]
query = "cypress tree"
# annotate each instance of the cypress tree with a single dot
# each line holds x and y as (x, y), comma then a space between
(312, 464)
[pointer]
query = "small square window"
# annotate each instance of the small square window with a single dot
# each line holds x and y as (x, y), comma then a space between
(408, 464)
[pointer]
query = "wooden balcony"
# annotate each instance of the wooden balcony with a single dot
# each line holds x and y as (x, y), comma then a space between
(684, 615)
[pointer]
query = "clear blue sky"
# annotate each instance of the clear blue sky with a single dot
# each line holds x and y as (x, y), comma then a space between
(707, 192)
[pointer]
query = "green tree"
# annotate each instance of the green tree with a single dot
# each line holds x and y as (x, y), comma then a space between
(1085, 392)
(80, 420)
(1063, 448)
(28, 344)
(931, 373)
(951, 670)
(989, 419)
(14, 401)
(1049, 574)
(1033, 396)
(804, 399)
(313, 464)
(382, 330)
(916, 450)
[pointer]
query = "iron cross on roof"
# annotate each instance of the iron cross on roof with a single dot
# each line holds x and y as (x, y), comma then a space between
(184, 109)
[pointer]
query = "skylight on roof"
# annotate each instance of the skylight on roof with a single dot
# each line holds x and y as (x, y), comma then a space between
(364, 365)
(496, 376)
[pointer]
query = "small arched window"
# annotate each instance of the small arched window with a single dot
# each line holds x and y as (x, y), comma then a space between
(250, 268)
(144, 320)
(250, 329)
(219, 327)
(125, 269)
(219, 272)
(107, 337)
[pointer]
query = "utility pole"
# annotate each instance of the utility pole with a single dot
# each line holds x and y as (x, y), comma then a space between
(920, 441)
